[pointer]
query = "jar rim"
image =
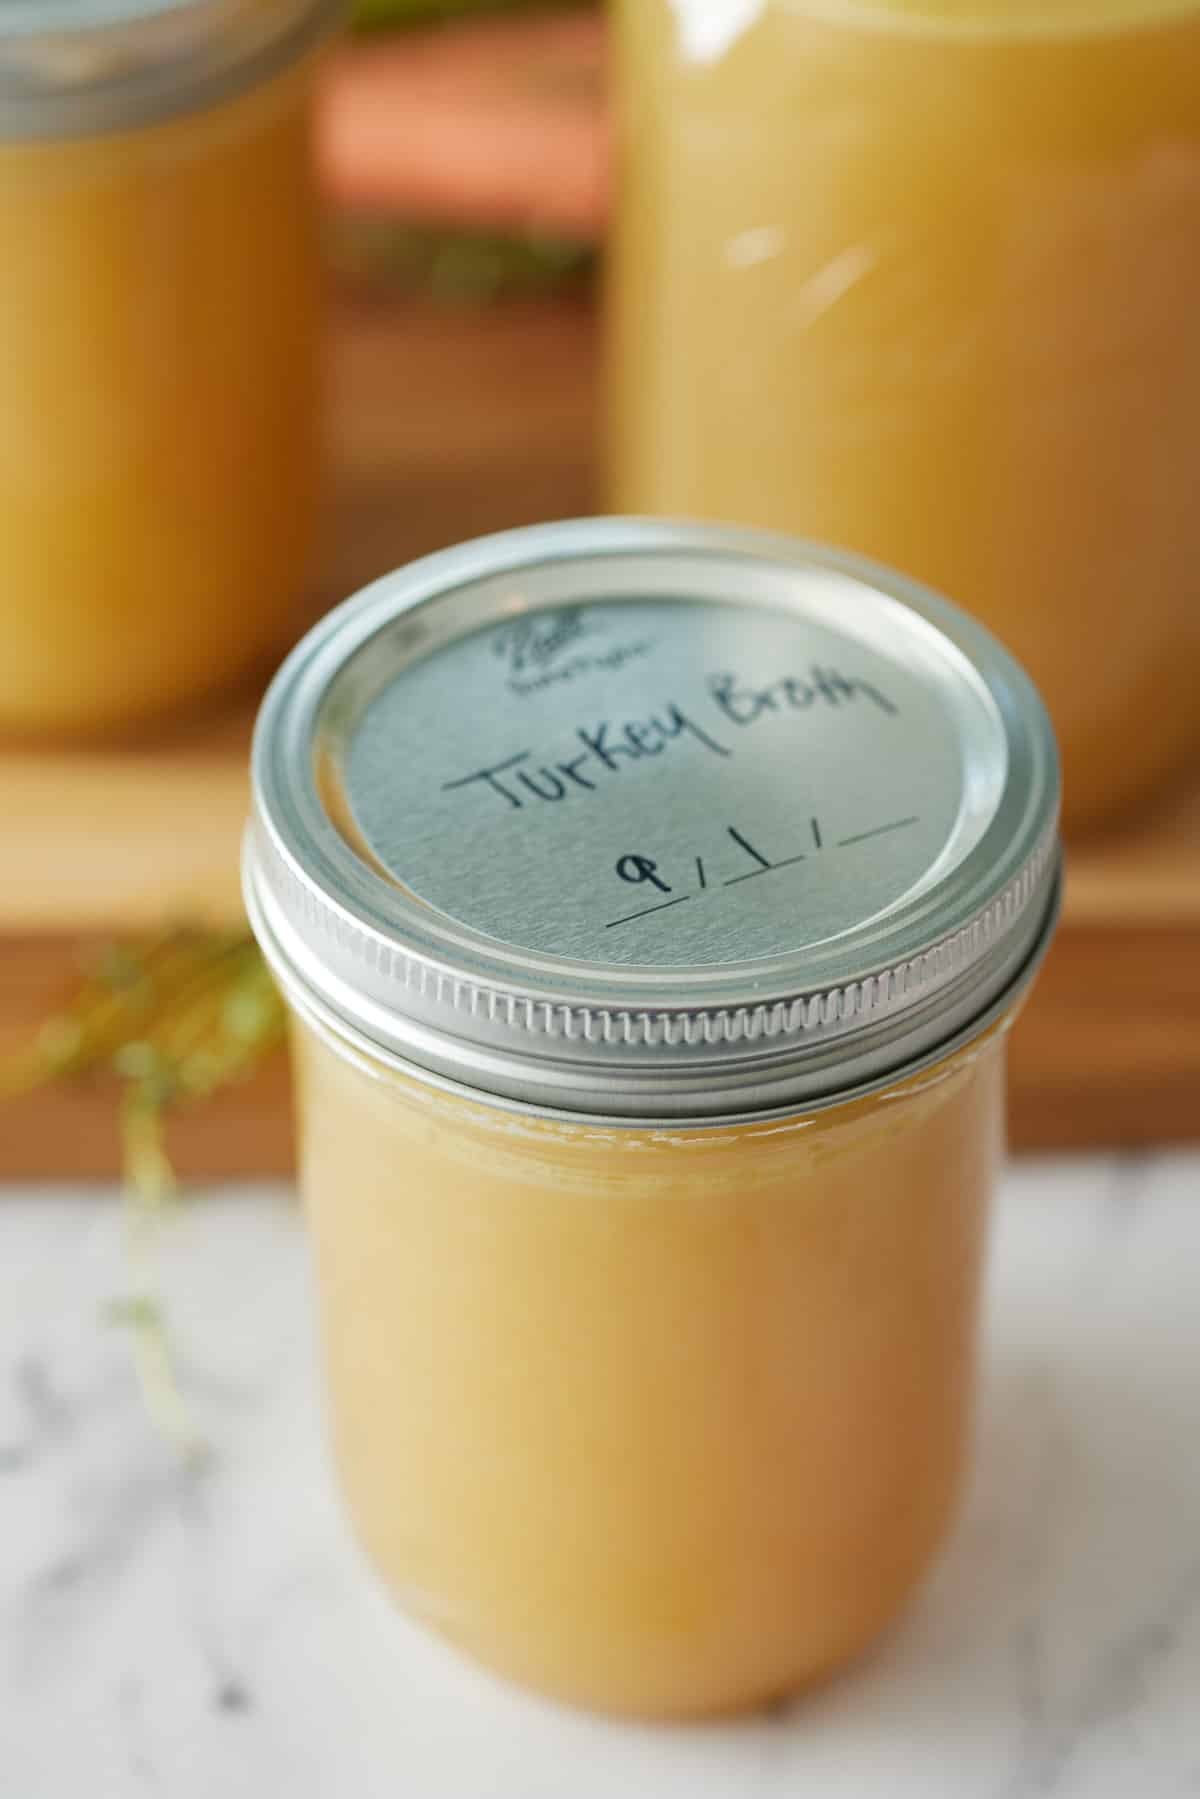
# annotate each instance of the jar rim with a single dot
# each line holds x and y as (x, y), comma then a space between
(355, 1047)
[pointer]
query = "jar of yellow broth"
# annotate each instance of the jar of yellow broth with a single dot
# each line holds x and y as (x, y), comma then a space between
(652, 903)
(158, 351)
(922, 278)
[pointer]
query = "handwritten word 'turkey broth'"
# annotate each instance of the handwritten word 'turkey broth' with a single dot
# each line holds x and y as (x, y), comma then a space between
(601, 749)
(643, 870)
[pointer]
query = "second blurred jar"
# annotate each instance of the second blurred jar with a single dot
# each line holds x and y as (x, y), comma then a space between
(158, 351)
(926, 283)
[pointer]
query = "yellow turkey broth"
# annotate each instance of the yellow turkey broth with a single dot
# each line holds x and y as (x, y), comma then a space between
(158, 421)
(925, 285)
(660, 1421)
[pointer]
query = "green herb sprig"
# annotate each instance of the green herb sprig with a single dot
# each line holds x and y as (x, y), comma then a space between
(176, 1019)
(369, 15)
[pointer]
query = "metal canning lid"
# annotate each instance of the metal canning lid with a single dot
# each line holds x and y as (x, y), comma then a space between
(73, 68)
(652, 821)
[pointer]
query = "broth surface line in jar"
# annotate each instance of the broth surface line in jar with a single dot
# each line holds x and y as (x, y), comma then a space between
(159, 352)
(652, 903)
(921, 278)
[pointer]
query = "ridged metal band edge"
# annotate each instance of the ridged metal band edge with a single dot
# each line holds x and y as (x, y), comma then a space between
(900, 986)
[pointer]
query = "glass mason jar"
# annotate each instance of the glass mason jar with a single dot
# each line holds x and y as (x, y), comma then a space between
(158, 351)
(652, 903)
(922, 277)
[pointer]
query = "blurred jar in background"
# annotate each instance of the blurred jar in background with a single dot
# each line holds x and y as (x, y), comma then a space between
(158, 351)
(923, 279)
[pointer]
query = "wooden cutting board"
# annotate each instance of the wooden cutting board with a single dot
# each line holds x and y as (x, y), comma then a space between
(443, 425)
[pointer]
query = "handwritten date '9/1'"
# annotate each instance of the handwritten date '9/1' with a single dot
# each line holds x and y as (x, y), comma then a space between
(640, 870)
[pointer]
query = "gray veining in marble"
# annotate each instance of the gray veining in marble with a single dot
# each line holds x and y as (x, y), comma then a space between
(213, 1632)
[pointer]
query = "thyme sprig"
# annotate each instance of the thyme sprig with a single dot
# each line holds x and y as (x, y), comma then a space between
(177, 1019)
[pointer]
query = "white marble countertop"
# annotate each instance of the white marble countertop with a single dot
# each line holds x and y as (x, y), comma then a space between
(214, 1635)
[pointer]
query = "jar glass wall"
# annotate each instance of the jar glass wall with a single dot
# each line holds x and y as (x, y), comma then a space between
(664, 1422)
(921, 279)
